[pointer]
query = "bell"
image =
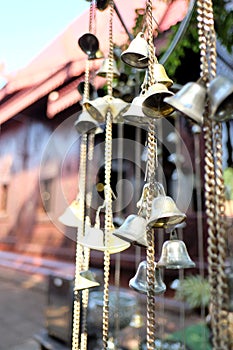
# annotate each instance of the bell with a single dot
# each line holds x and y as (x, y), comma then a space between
(96, 56)
(137, 54)
(86, 280)
(164, 213)
(136, 321)
(190, 100)
(104, 69)
(72, 215)
(139, 281)
(118, 107)
(153, 105)
(94, 239)
(89, 44)
(160, 75)
(220, 93)
(97, 108)
(86, 124)
(142, 203)
(133, 230)
(174, 255)
(134, 114)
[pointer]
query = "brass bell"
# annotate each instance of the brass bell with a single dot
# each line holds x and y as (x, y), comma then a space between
(139, 281)
(72, 216)
(137, 54)
(174, 255)
(86, 124)
(89, 44)
(133, 230)
(160, 74)
(95, 239)
(190, 101)
(104, 69)
(220, 93)
(154, 105)
(134, 114)
(118, 107)
(97, 108)
(86, 280)
(164, 213)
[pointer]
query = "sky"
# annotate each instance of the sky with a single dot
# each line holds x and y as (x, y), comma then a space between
(28, 26)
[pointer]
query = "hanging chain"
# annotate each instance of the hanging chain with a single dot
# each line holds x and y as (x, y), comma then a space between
(214, 186)
(108, 224)
(79, 249)
(151, 165)
(223, 296)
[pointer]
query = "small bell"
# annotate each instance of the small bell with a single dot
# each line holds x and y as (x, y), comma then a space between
(154, 105)
(133, 230)
(72, 216)
(94, 238)
(160, 74)
(142, 203)
(118, 107)
(174, 255)
(190, 101)
(139, 281)
(89, 44)
(137, 54)
(86, 124)
(97, 108)
(104, 69)
(86, 280)
(220, 93)
(134, 114)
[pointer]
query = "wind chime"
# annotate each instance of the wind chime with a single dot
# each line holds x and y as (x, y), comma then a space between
(156, 210)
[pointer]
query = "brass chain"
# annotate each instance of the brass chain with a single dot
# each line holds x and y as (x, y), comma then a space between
(79, 249)
(222, 287)
(151, 165)
(214, 186)
(108, 224)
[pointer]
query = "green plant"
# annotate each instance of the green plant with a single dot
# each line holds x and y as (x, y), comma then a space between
(194, 290)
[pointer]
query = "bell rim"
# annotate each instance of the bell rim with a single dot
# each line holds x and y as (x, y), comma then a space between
(178, 106)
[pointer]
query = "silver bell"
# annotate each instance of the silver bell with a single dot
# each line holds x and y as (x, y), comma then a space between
(134, 114)
(139, 281)
(86, 124)
(220, 93)
(133, 230)
(154, 105)
(190, 101)
(137, 54)
(174, 255)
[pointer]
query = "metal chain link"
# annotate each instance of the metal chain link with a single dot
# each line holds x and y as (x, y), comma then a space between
(108, 224)
(151, 165)
(86, 93)
(223, 296)
(79, 249)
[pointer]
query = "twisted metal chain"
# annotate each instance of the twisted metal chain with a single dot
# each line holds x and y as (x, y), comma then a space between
(209, 175)
(108, 224)
(110, 54)
(151, 165)
(79, 249)
(222, 287)
(86, 93)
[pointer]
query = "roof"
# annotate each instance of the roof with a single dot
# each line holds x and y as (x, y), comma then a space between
(63, 59)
